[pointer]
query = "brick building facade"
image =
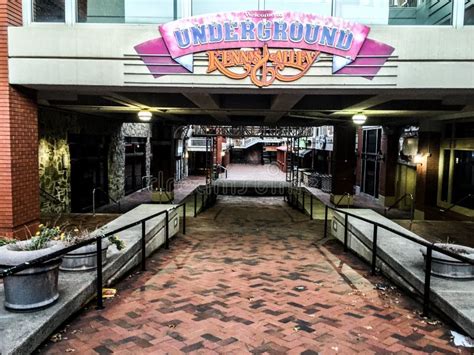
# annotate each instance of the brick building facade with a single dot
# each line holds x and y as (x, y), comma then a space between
(19, 181)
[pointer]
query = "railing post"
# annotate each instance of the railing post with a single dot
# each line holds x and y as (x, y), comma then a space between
(427, 290)
(302, 198)
(143, 246)
(374, 250)
(202, 201)
(93, 202)
(184, 218)
(100, 301)
(311, 206)
(346, 232)
(195, 203)
(326, 221)
(167, 230)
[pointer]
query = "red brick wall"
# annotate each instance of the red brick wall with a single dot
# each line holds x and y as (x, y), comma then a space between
(19, 180)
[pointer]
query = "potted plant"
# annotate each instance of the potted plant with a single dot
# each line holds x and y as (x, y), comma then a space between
(85, 258)
(445, 266)
(36, 287)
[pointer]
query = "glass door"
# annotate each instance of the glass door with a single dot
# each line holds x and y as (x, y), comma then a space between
(371, 161)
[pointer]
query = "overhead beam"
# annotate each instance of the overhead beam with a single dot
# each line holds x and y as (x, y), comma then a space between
(209, 105)
(281, 105)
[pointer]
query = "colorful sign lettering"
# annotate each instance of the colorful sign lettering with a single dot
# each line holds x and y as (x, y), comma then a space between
(263, 44)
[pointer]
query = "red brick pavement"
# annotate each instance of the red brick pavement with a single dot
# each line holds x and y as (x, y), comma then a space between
(254, 278)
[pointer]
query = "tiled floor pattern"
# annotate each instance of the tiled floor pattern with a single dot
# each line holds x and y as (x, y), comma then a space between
(254, 276)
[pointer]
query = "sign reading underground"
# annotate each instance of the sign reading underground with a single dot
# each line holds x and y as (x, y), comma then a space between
(263, 45)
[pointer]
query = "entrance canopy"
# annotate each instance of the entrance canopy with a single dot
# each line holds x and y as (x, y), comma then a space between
(224, 107)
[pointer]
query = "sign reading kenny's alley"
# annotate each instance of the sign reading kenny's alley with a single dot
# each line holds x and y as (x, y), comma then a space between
(263, 45)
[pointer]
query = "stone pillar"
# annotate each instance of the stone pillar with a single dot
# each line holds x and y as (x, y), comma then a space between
(343, 164)
(19, 177)
(388, 166)
(427, 172)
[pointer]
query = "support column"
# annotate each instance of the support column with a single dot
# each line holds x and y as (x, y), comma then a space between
(343, 163)
(427, 172)
(388, 166)
(163, 163)
(19, 176)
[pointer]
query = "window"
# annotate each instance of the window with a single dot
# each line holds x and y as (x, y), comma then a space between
(321, 7)
(201, 7)
(48, 11)
(396, 12)
(364, 11)
(126, 11)
(469, 12)
(420, 12)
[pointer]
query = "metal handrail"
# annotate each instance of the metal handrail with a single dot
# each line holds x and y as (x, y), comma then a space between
(457, 202)
(106, 194)
(150, 178)
(430, 247)
(51, 197)
(348, 195)
(398, 201)
(224, 168)
(412, 207)
(98, 240)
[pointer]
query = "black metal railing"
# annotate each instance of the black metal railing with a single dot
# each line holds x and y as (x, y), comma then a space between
(293, 199)
(50, 197)
(203, 197)
(98, 241)
(106, 195)
(465, 198)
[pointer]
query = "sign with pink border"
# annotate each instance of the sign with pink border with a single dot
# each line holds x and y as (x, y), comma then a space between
(353, 52)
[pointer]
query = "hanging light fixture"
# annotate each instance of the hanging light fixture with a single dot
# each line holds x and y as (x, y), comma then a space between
(359, 118)
(145, 116)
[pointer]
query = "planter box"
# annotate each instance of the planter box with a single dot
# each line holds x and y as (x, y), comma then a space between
(32, 289)
(84, 258)
(445, 266)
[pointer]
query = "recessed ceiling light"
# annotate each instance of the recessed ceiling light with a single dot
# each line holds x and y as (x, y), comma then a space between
(145, 116)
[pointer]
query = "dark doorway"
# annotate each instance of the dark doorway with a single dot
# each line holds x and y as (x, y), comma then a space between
(135, 163)
(370, 161)
(463, 178)
(88, 171)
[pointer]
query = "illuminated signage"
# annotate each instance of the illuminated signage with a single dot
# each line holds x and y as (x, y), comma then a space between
(262, 45)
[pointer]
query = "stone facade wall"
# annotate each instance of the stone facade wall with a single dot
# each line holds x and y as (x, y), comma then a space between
(117, 155)
(140, 130)
(54, 155)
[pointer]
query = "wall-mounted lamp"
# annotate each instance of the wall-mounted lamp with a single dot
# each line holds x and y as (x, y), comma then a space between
(222, 154)
(359, 118)
(420, 158)
(145, 116)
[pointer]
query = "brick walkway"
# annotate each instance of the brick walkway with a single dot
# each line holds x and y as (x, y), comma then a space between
(254, 277)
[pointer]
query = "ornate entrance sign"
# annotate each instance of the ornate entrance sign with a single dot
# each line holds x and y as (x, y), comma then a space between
(279, 46)
(262, 66)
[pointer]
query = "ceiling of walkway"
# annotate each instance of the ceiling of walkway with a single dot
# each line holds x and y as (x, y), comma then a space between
(270, 108)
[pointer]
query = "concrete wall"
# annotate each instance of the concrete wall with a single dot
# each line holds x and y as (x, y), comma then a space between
(103, 55)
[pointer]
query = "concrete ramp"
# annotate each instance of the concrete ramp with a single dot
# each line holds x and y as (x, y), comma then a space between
(22, 333)
(403, 263)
